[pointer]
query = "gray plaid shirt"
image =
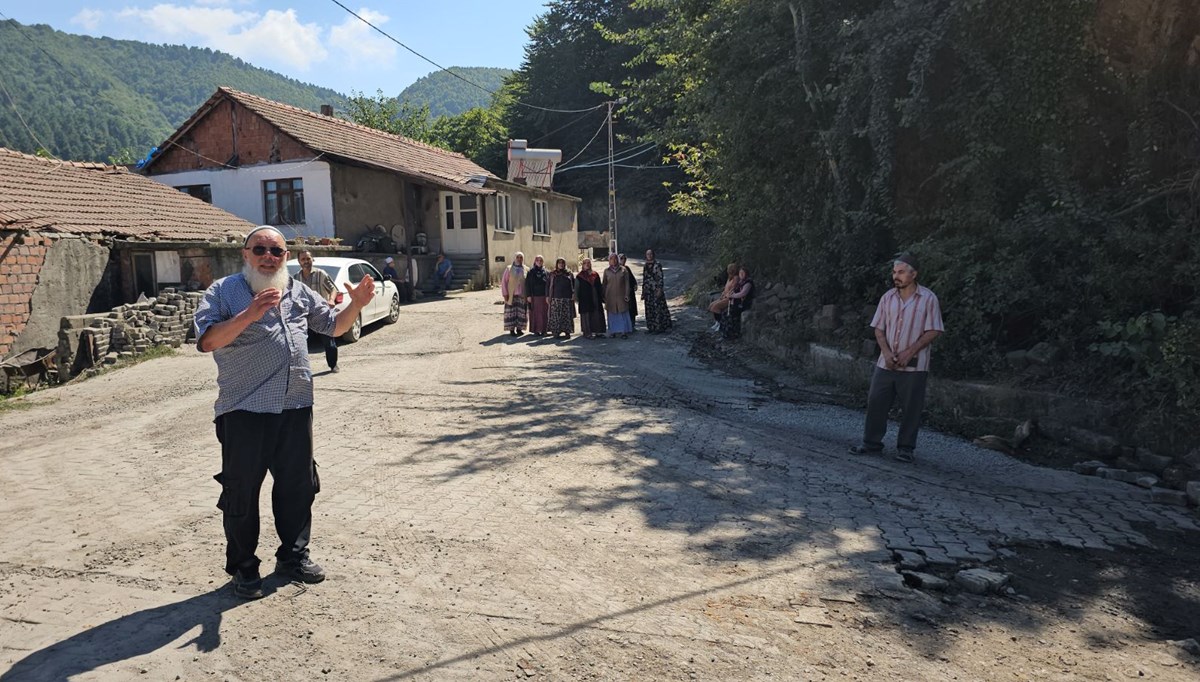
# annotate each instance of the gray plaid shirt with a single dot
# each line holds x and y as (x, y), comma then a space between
(266, 368)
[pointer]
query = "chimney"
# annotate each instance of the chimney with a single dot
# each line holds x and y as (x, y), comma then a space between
(327, 110)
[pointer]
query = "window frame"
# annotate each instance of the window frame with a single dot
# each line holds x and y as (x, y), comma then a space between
(453, 212)
(205, 192)
(541, 218)
(295, 201)
(504, 213)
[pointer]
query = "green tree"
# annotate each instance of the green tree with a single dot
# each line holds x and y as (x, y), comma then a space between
(391, 115)
(479, 134)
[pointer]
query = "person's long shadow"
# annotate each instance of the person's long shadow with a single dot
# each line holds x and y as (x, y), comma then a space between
(129, 636)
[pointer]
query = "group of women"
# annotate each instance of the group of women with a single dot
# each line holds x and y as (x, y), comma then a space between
(545, 301)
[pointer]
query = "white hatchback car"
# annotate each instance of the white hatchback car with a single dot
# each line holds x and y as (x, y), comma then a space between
(385, 306)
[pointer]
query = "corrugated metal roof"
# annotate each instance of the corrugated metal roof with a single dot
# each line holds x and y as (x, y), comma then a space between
(97, 199)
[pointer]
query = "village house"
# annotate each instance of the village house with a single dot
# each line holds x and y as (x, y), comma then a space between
(80, 238)
(320, 177)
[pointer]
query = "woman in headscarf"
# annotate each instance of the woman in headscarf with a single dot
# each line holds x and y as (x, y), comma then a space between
(720, 305)
(535, 292)
(589, 293)
(616, 298)
(561, 291)
(658, 315)
(632, 293)
(739, 301)
(512, 288)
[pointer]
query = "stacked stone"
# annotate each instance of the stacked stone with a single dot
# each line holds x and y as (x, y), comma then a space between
(83, 342)
(126, 332)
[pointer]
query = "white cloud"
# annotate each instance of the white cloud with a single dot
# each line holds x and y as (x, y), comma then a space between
(89, 19)
(360, 42)
(275, 36)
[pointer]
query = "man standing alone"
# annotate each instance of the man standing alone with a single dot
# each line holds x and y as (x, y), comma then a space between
(318, 281)
(906, 322)
(256, 325)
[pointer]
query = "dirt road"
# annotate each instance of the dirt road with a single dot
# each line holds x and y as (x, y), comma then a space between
(498, 508)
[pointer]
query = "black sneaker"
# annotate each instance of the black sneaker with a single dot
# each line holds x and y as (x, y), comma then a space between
(304, 570)
(864, 450)
(247, 584)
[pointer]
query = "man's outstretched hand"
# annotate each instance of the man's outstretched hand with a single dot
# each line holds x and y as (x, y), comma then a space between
(361, 294)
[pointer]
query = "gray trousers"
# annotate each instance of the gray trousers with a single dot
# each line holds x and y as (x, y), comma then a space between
(887, 387)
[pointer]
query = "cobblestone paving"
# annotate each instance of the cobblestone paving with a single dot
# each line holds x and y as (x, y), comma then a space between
(496, 508)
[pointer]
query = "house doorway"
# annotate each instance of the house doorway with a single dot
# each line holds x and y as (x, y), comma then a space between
(143, 275)
(460, 224)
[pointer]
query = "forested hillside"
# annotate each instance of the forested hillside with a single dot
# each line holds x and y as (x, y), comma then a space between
(90, 98)
(1040, 156)
(449, 96)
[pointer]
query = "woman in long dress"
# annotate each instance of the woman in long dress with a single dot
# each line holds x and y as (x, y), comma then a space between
(561, 290)
(633, 309)
(658, 315)
(512, 289)
(535, 293)
(616, 298)
(589, 293)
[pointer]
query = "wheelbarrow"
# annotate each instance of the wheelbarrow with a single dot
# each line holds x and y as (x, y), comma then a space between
(28, 369)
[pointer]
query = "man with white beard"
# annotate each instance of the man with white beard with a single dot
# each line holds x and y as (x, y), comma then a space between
(255, 324)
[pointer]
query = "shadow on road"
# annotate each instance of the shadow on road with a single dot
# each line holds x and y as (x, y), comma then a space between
(690, 460)
(130, 636)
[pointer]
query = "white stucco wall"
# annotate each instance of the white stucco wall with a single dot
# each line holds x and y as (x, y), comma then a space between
(240, 191)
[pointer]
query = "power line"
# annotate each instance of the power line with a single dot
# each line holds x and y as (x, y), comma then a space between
(589, 142)
(13, 103)
(21, 30)
(630, 153)
(468, 81)
(562, 127)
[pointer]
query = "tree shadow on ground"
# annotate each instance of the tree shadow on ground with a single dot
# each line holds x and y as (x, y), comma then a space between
(686, 453)
(130, 636)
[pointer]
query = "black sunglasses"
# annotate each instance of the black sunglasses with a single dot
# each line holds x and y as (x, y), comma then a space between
(261, 250)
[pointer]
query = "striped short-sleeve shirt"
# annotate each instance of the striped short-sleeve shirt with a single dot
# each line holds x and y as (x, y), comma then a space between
(905, 321)
(266, 367)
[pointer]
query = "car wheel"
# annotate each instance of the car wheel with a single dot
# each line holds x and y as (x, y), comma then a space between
(394, 311)
(355, 332)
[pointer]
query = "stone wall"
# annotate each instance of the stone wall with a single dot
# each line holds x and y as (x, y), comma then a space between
(646, 225)
(88, 342)
(835, 345)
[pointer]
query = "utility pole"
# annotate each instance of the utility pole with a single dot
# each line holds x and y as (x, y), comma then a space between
(612, 182)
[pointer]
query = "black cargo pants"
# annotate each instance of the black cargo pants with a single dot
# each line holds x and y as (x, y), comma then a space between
(252, 444)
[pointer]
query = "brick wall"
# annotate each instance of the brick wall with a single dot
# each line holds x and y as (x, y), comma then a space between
(227, 130)
(21, 261)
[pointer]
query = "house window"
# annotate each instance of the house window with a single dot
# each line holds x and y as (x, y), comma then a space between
(284, 201)
(503, 213)
(201, 192)
(460, 211)
(541, 220)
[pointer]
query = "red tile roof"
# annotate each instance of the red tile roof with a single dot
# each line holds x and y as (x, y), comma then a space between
(340, 138)
(96, 199)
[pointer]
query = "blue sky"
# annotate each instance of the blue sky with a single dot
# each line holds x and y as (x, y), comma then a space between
(311, 40)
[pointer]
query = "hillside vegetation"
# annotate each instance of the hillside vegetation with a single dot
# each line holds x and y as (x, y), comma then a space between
(1039, 156)
(94, 99)
(446, 95)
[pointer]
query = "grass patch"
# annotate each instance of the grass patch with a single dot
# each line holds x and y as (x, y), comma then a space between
(18, 400)
(153, 352)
